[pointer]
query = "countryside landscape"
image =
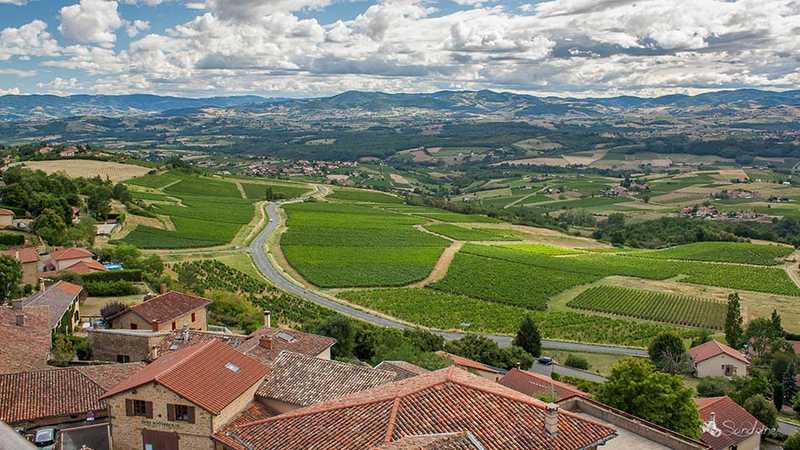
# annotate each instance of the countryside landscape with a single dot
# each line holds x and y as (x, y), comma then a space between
(399, 225)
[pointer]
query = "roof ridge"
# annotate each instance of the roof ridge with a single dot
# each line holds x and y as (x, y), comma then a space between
(715, 400)
(392, 420)
(333, 361)
(182, 361)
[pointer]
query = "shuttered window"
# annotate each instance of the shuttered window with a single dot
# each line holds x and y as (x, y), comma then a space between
(180, 413)
(139, 408)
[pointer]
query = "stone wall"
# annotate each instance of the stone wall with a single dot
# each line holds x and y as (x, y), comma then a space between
(136, 344)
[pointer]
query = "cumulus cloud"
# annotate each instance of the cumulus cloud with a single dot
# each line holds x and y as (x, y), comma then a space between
(18, 73)
(136, 26)
(60, 86)
(27, 41)
(91, 22)
(11, 91)
(249, 10)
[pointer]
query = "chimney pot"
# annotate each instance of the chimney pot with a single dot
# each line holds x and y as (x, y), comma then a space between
(162, 289)
(551, 419)
(266, 342)
(20, 320)
(268, 319)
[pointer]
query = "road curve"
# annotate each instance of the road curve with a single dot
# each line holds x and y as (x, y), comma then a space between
(279, 278)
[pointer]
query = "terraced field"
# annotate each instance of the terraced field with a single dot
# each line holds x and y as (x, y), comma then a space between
(359, 195)
(650, 305)
(733, 252)
(347, 245)
(463, 233)
(258, 191)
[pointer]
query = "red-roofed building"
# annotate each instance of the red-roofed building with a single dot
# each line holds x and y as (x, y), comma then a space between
(6, 218)
(539, 386)
(85, 267)
(714, 359)
(165, 312)
(62, 258)
(24, 337)
(478, 368)
(450, 400)
(726, 425)
(63, 300)
(28, 258)
(183, 397)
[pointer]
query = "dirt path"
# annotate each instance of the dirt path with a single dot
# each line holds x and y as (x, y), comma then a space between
(440, 269)
(791, 267)
(241, 190)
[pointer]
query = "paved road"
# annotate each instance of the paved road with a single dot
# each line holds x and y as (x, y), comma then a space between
(787, 428)
(568, 371)
(280, 279)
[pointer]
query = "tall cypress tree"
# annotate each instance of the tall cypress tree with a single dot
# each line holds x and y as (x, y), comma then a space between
(528, 337)
(733, 321)
(789, 384)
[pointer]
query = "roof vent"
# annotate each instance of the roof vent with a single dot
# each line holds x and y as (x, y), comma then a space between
(232, 367)
(286, 337)
(173, 347)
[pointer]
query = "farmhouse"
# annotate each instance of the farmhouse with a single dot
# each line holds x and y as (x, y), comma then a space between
(714, 359)
(726, 425)
(6, 218)
(25, 337)
(63, 302)
(539, 386)
(480, 369)
(183, 398)
(62, 258)
(166, 312)
(28, 258)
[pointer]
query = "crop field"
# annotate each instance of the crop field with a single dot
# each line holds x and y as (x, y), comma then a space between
(258, 191)
(544, 249)
(139, 195)
(364, 196)
(156, 181)
(446, 311)
(734, 252)
(759, 279)
(651, 305)
(589, 202)
(88, 168)
(508, 282)
(462, 233)
(340, 245)
(203, 186)
(451, 217)
(212, 274)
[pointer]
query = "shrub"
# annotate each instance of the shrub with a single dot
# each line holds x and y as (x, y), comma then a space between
(134, 275)
(713, 387)
(11, 239)
(577, 362)
(110, 288)
(762, 409)
(792, 443)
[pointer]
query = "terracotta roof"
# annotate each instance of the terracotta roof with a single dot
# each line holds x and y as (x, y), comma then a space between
(6, 212)
(166, 307)
(713, 348)
(283, 339)
(58, 298)
(445, 401)
(402, 369)
(25, 347)
(178, 339)
(467, 363)
(70, 253)
(795, 346)
(24, 255)
(86, 267)
(537, 385)
(54, 392)
(304, 380)
(210, 375)
(733, 423)
(444, 441)
(109, 375)
(253, 412)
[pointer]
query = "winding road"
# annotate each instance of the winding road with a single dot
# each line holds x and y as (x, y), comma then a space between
(280, 279)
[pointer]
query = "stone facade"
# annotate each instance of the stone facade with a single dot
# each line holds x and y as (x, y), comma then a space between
(721, 365)
(124, 345)
(132, 321)
(30, 273)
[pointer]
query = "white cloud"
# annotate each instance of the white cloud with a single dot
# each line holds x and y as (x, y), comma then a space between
(18, 73)
(27, 41)
(136, 26)
(254, 10)
(11, 91)
(60, 86)
(91, 22)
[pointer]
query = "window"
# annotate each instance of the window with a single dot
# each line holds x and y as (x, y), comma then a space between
(134, 326)
(123, 359)
(180, 413)
(139, 408)
(193, 317)
(173, 325)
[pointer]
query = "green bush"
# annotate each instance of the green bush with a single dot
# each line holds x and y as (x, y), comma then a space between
(110, 288)
(713, 387)
(577, 362)
(11, 239)
(792, 443)
(134, 275)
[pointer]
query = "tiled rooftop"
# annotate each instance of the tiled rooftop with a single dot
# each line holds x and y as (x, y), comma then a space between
(402, 369)
(537, 385)
(166, 307)
(713, 348)
(733, 423)
(58, 298)
(26, 346)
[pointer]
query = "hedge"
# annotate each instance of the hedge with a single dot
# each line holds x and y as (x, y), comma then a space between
(113, 275)
(11, 239)
(110, 288)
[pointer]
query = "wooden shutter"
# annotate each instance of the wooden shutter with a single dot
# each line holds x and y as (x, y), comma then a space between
(191, 413)
(128, 407)
(170, 412)
(148, 410)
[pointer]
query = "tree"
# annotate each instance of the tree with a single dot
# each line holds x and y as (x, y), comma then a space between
(475, 347)
(515, 357)
(343, 331)
(63, 350)
(10, 276)
(424, 339)
(528, 337)
(789, 383)
(51, 227)
(796, 403)
(668, 354)
(733, 321)
(762, 336)
(636, 387)
(792, 442)
(713, 387)
(775, 319)
(762, 409)
(746, 387)
(578, 362)
(777, 396)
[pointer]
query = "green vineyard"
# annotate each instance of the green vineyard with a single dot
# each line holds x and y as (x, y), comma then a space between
(649, 305)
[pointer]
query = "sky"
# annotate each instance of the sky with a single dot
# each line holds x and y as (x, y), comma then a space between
(309, 48)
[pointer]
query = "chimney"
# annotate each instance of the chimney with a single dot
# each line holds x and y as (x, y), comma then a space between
(266, 342)
(268, 319)
(20, 320)
(154, 324)
(42, 286)
(16, 305)
(162, 288)
(551, 419)
(154, 353)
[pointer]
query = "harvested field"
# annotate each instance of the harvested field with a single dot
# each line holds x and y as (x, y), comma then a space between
(74, 168)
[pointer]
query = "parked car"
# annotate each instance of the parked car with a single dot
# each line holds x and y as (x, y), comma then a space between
(45, 438)
(546, 360)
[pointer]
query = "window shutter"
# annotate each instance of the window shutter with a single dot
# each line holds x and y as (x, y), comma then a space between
(191, 414)
(148, 410)
(128, 407)
(170, 412)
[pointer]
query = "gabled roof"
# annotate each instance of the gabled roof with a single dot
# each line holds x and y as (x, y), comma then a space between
(55, 392)
(210, 375)
(402, 369)
(280, 339)
(166, 307)
(468, 363)
(443, 441)
(58, 298)
(733, 424)
(304, 380)
(450, 400)
(86, 267)
(536, 385)
(6, 212)
(713, 348)
(25, 347)
(25, 255)
(70, 253)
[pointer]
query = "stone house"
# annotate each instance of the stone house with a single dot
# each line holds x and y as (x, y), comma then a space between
(180, 400)
(25, 337)
(62, 258)
(166, 312)
(28, 258)
(714, 359)
(63, 301)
